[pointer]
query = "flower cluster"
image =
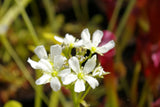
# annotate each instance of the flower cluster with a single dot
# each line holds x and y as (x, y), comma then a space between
(68, 64)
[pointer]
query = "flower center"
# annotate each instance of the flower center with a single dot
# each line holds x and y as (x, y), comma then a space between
(71, 44)
(93, 49)
(54, 73)
(80, 75)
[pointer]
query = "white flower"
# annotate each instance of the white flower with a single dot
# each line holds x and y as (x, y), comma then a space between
(99, 72)
(80, 75)
(51, 66)
(71, 41)
(96, 39)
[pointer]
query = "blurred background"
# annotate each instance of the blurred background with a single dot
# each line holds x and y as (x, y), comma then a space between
(134, 63)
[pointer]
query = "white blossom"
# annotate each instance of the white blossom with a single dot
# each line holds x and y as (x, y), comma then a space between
(51, 66)
(71, 41)
(99, 72)
(80, 75)
(96, 39)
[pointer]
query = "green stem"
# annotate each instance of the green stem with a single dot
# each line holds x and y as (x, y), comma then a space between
(4, 7)
(84, 6)
(86, 92)
(28, 23)
(62, 99)
(134, 84)
(50, 13)
(54, 99)
(115, 15)
(38, 102)
(12, 13)
(76, 9)
(144, 94)
(76, 102)
(124, 18)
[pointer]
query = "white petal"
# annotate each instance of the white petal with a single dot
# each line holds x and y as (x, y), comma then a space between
(85, 35)
(78, 43)
(105, 48)
(64, 72)
(69, 39)
(90, 64)
(79, 86)
(59, 39)
(58, 61)
(69, 79)
(91, 81)
(55, 84)
(34, 64)
(97, 36)
(55, 50)
(43, 79)
(45, 65)
(74, 64)
(40, 51)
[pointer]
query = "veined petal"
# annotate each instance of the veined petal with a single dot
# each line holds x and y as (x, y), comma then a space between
(90, 65)
(105, 48)
(79, 86)
(69, 79)
(45, 65)
(85, 35)
(33, 64)
(69, 39)
(58, 61)
(91, 81)
(97, 36)
(64, 72)
(40, 51)
(55, 50)
(45, 78)
(74, 64)
(55, 84)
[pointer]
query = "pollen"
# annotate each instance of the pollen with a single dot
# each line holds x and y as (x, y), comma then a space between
(54, 73)
(72, 44)
(80, 75)
(93, 49)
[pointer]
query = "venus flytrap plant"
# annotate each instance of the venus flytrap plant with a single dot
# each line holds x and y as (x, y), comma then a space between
(77, 72)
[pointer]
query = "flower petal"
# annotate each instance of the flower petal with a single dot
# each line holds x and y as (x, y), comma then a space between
(45, 65)
(74, 64)
(55, 50)
(40, 51)
(91, 81)
(59, 39)
(33, 64)
(90, 64)
(85, 35)
(55, 84)
(69, 79)
(97, 36)
(58, 61)
(64, 72)
(69, 39)
(79, 86)
(105, 48)
(78, 43)
(43, 79)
